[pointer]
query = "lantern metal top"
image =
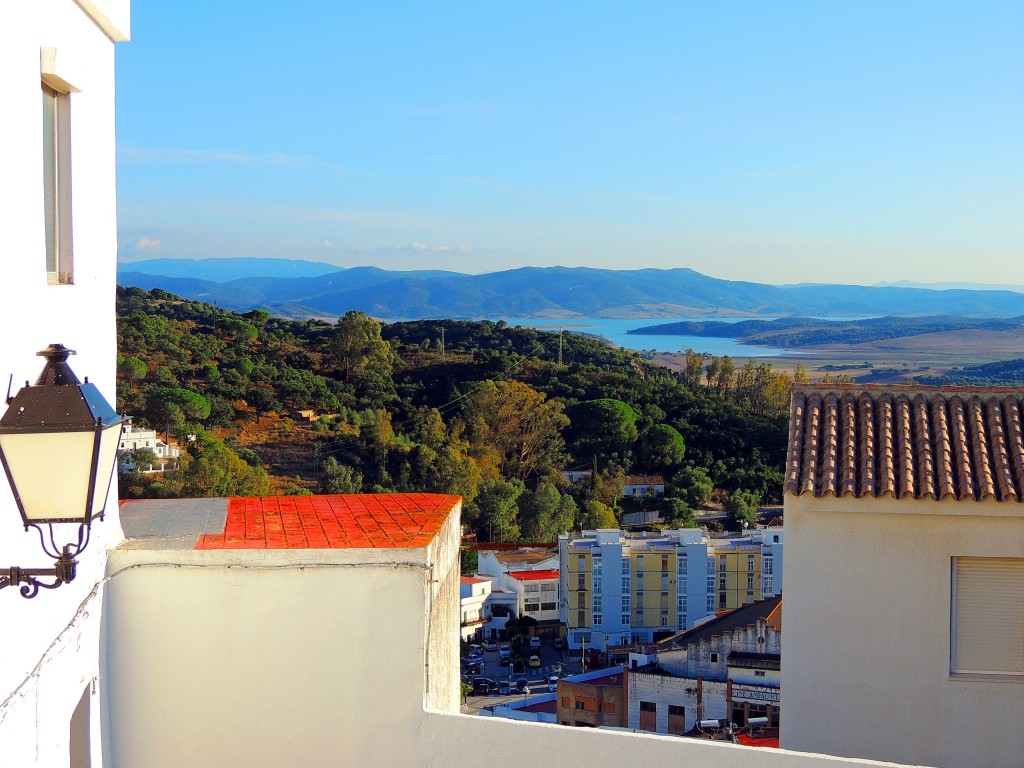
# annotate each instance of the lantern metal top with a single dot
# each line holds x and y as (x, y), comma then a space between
(57, 402)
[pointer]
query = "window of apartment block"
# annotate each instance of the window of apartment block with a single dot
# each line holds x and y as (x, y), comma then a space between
(624, 619)
(987, 632)
(625, 585)
(648, 706)
(768, 564)
(639, 563)
(750, 563)
(548, 606)
(581, 581)
(597, 583)
(750, 582)
(625, 603)
(581, 705)
(768, 587)
(625, 566)
(598, 604)
(714, 657)
(57, 185)
(721, 564)
(675, 709)
(581, 563)
(581, 618)
(681, 563)
(664, 563)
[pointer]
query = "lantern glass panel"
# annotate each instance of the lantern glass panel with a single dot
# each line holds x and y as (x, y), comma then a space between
(110, 439)
(51, 471)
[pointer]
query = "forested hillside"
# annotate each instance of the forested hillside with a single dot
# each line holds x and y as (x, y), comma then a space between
(480, 409)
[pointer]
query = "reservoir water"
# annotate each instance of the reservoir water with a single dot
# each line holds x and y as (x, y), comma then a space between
(615, 331)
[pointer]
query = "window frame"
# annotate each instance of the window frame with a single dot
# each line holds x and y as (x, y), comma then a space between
(58, 240)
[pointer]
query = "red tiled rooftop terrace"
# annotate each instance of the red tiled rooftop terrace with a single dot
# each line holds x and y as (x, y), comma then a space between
(551, 573)
(375, 521)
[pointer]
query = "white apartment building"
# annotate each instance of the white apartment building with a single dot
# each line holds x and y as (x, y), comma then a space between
(525, 584)
(618, 588)
(473, 596)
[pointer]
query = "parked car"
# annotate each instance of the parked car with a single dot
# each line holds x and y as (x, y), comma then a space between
(534, 660)
(552, 683)
(490, 645)
(522, 685)
(473, 668)
(504, 688)
(534, 643)
(482, 686)
(558, 643)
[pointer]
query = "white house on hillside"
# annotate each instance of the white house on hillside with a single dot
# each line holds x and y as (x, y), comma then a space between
(906, 643)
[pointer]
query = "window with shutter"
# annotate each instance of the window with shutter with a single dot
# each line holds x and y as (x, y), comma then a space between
(987, 623)
(57, 185)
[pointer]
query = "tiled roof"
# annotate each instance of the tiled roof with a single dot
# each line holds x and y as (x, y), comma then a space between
(551, 573)
(726, 622)
(906, 442)
(471, 580)
(644, 480)
(376, 521)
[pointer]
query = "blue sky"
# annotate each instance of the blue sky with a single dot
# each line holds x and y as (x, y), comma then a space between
(778, 142)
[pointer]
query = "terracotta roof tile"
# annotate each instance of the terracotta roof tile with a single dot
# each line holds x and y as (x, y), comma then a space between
(386, 521)
(906, 441)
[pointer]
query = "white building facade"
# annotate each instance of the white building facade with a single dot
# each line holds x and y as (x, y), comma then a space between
(59, 245)
(907, 643)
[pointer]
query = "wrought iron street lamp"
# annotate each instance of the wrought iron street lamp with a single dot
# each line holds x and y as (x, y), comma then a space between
(58, 445)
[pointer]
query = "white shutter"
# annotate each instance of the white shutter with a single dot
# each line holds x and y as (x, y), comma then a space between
(50, 178)
(988, 615)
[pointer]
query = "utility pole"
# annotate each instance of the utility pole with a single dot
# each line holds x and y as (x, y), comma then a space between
(559, 346)
(442, 343)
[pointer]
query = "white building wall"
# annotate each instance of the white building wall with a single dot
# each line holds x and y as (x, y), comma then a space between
(866, 659)
(51, 659)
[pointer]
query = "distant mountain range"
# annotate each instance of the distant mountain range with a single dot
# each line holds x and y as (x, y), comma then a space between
(313, 289)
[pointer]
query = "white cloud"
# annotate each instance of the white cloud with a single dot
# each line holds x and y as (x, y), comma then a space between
(425, 247)
(147, 244)
(328, 244)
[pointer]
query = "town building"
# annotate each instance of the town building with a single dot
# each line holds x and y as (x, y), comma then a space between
(726, 669)
(593, 699)
(525, 584)
(907, 642)
(473, 595)
(619, 588)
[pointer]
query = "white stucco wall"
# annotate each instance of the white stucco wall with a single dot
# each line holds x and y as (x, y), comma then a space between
(866, 658)
(47, 664)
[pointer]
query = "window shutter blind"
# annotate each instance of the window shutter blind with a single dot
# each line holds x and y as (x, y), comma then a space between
(50, 186)
(988, 609)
